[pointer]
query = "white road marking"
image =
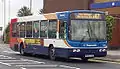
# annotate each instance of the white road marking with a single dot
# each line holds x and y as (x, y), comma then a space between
(23, 68)
(10, 60)
(3, 56)
(22, 60)
(65, 66)
(28, 63)
(22, 63)
(6, 57)
(5, 64)
(32, 61)
(11, 52)
(46, 66)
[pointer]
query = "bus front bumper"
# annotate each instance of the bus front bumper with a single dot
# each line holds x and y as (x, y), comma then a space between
(88, 53)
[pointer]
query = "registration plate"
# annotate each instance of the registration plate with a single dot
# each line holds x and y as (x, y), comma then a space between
(89, 55)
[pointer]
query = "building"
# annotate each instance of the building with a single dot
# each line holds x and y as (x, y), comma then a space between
(51, 6)
(113, 8)
(110, 6)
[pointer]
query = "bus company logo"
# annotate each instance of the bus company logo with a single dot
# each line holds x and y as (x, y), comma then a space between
(91, 45)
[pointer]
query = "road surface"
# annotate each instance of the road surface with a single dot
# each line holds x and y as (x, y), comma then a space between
(13, 60)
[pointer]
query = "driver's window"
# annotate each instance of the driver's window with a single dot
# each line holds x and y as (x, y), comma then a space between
(62, 30)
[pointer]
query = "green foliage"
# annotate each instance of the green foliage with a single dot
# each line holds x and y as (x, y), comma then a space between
(110, 23)
(24, 11)
(6, 34)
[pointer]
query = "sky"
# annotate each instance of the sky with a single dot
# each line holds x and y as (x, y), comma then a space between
(12, 7)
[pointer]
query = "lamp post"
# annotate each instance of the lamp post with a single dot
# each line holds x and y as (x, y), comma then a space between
(9, 7)
(30, 5)
(4, 36)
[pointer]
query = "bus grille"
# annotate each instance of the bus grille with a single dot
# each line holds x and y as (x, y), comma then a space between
(87, 51)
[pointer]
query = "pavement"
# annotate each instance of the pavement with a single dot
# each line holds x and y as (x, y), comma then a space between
(112, 55)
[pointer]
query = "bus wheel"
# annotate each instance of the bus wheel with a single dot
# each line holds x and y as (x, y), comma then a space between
(52, 53)
(22, 50)
(84, 59)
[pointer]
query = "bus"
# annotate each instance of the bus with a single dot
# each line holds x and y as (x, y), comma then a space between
(67, 34)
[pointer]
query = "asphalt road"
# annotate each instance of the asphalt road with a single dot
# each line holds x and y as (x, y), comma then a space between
(13, 60)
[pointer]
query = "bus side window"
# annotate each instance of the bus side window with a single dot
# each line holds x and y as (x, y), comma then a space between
(29, 29)
(52, 29)
(36, 29)
(44, 29)
(22, 29)
(62, 30)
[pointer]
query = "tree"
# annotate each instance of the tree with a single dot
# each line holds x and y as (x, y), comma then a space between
(110, 23)
(24, 11)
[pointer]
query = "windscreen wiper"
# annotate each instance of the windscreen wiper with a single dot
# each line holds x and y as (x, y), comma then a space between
(89, 28)
(82, 38)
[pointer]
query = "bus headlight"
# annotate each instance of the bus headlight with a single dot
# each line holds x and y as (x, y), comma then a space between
(76, 50)
(102, 50)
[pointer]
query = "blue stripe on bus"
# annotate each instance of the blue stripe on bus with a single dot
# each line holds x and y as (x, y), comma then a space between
(75, 43)
(105, 5)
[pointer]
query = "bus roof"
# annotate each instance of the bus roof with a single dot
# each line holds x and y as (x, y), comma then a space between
(52, 15)
(85, 11)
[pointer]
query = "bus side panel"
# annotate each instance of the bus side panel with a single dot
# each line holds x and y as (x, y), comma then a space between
(36, 49)
(40, 50)
(29, 49)
(57, 43)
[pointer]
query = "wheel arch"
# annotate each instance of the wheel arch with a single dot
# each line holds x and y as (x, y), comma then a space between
(51, 45)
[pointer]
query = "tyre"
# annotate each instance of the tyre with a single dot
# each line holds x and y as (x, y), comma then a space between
(22, 50)
(52, 53)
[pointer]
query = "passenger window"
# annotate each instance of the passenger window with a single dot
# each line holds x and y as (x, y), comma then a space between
(22, 29)
(36, 25)
(44, 29)
(29, 29)
(62, 30)
(52, 29)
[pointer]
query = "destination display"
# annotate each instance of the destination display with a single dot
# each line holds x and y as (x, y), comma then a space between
(86, 16)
